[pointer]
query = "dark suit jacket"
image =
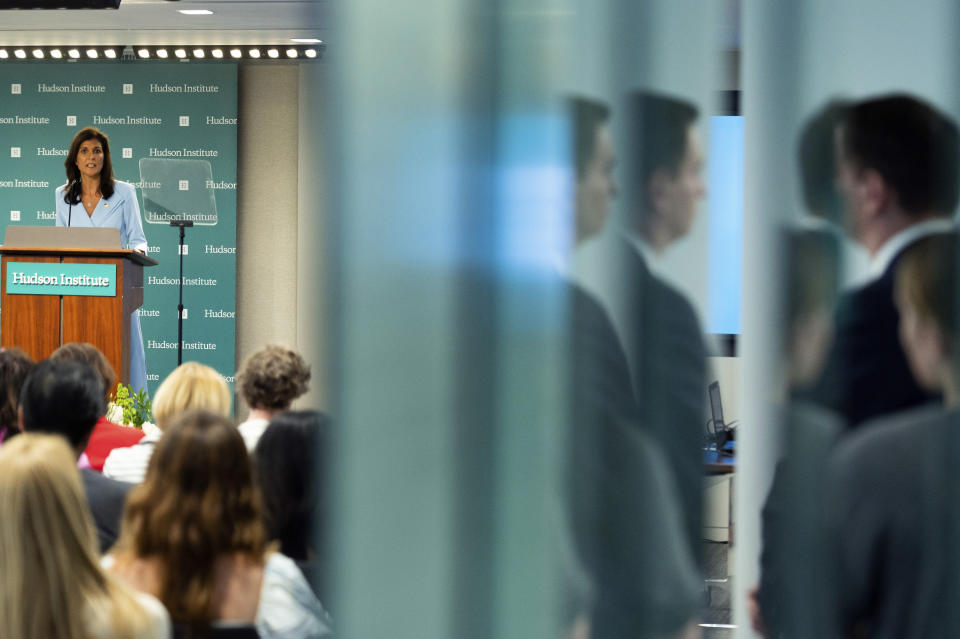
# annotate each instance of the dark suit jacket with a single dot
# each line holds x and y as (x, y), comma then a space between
(892, 510)
(106, 498)
(667, 358)
(795, 582)
(622, 497)
(866, 374)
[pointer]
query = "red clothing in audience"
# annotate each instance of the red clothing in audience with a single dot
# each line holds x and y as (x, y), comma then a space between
(107, 436)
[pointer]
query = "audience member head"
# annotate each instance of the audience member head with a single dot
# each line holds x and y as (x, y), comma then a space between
(191, 386)
(897, 164)
(64, 398)
(594, 161)
(49, 561)
(811, 263)
(290, 469)
(91, 355)
(926, 295)
(14, 367)
(197, 503)
(271, 378)
(816, 150)
(665, 163)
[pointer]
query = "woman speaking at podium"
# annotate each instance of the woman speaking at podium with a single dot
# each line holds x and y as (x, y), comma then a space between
(93, 198)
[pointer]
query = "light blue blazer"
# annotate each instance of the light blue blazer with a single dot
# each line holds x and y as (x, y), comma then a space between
(120, 211)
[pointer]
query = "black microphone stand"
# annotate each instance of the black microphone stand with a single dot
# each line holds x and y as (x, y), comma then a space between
(182, 224)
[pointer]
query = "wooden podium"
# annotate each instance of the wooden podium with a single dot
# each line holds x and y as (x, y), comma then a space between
(47, 301)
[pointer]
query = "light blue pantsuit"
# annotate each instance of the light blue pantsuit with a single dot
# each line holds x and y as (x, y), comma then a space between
(121, 211)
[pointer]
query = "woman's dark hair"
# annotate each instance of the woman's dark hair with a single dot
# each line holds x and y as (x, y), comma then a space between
(290, 467)
(91, 355)
(15, 365)
(71, 195)
(199, 502)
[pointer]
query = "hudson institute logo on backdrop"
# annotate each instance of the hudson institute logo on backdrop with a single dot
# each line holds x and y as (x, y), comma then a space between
(73, 87)
(16, 183)
(210, 249)
(156, 152)
(164, 87)
(24, 119)
(16, 89)
(123, 120)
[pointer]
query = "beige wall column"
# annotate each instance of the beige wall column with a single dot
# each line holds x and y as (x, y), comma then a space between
(267, 212)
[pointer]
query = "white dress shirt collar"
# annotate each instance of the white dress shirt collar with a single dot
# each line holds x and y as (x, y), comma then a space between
(892, 247)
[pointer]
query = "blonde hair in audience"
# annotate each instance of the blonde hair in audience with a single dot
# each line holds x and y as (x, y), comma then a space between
(49, 566)
(926, 278)
(191, 386)
(198, 503)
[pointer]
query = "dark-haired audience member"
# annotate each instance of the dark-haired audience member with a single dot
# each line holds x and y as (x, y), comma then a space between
(893, 484)
(193, 537)
(106, 435)
(14, 367)
(66, 398)
(269, 380)
(290, 470)
(191, 386)
(898, 162)
(52, 584)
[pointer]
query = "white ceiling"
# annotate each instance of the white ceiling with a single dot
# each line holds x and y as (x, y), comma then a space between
(158, 22)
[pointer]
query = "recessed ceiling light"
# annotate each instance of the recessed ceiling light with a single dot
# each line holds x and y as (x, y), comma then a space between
(198, 53)
(38, 53)
(92, 53)
(310, 53)
(20, 53)
(110, 53)
(144, 53)
(56, 53)
(273, 53)
(254, 53)
(162, 53)
(306, 40)
(3, 54)
(236, 53)
(291, 53)
(217, 53)
(195, 12)
(73, 53)
(180, 53)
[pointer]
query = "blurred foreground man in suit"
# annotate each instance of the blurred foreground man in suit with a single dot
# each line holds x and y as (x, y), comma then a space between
(897, 170)
(626, 526)
(656, 324)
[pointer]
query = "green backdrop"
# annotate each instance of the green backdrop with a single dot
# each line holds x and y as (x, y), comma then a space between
(177, 122)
